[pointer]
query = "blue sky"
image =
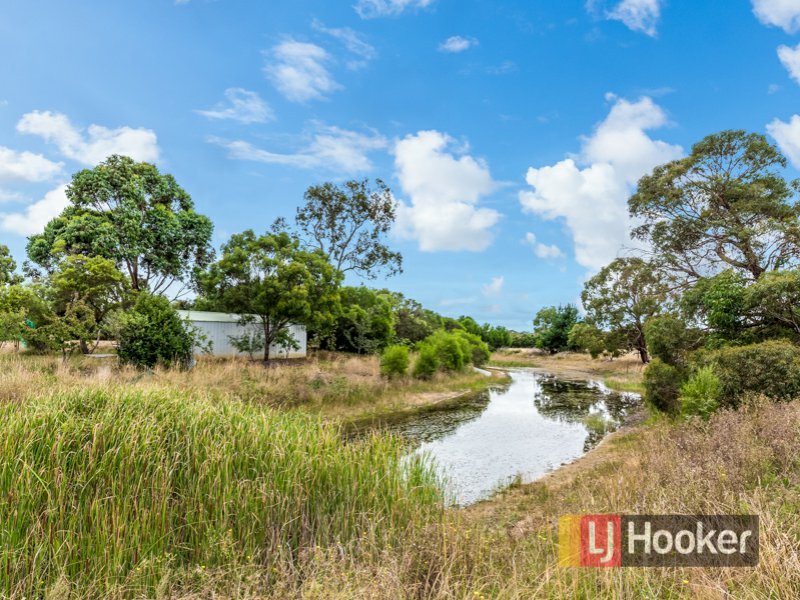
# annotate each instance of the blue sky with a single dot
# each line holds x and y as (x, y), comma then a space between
(511, 132)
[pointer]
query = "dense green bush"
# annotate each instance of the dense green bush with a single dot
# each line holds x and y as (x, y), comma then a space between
(770, 368)
(394, 361)
(587, 338)
(667, 338)
(427, 362)
(449, 349)
(700, 395)
(474, 348)
(152, 333)
(662, 386)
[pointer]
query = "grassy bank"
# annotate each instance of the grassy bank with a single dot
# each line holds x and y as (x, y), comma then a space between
(623, 374)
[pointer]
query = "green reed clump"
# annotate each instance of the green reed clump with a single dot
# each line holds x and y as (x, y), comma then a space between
(112, 491)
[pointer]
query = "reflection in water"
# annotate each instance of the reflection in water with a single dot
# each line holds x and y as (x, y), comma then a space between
(525, 429)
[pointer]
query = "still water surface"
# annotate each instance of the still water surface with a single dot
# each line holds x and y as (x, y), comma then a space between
(519, 431)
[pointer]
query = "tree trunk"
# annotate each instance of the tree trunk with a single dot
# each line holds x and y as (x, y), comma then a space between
(641, 344)
(267, 341)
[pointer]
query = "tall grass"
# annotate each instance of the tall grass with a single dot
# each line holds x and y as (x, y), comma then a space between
(111, 493)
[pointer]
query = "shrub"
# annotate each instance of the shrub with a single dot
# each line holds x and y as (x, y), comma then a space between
(152, 333)
(662, 384)
(700, 395)
(449, 350)
(474, 348)
(587, 338)
(666, 337)
(394, 361)
(770, 368)
(427, 362)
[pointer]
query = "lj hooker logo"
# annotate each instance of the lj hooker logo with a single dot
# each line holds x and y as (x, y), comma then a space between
(658, 541)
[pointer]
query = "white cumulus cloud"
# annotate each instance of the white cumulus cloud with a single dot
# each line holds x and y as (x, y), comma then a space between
(638, 15)
(495, 287)
(330, 148)
(94, 145)
(590, 191)
(298, 70)
(788, 137)
(778, 13)
(370, 9)
(790, 59)
(543, 250)
(26, 166)
(242, 105)
(35, 216)
(457, 43)
(444, 187)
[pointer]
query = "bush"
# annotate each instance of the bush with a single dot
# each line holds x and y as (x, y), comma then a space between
(474, 348)
(427, 362)
(700, 395)
(666, 337)
(394, 361)
(587, 338)
(449, 350)
(662, 385)
(152, 333)
(770, 368)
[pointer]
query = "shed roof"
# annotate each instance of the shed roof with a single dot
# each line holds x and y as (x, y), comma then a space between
(199, 316)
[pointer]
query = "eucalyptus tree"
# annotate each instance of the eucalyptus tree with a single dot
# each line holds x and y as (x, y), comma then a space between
(725, 206)
(132, 214)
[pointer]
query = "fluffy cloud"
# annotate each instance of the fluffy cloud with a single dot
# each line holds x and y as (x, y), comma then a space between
(590, 191)
(637, 15)
(298, 71)
(457, 44)
(444, 189)
(329, 148)
(788, 137)
(96, 144)
(543, 250)
(352, 41)
(243, 106)
(370, 9)
(779, 13)
(790, 58)
(26, 166)
(495, 287)
(35, 216)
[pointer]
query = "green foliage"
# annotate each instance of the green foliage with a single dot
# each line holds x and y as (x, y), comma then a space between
(151, 333)
(449, 349)
(587, 338)
(771, 368)
(496, 337)
(474, 348)
(700, 394)
(365, 323)
(349, 223)
(552, 326)
(662, 384)
(427, 363)
(413, 322)
(667, 338)
(623, 295)
(723, 206)
(271, 281)
(131, 214)
(251, 342)
(395, 361)
(195, 484)
(721, 302)
(8, 267)
(775, 300)
(524, 340)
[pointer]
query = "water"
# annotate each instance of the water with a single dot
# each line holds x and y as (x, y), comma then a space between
(516, 432)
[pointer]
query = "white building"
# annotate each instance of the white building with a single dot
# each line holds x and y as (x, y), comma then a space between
(218, 328)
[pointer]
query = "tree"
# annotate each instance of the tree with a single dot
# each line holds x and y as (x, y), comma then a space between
(8, 267)
(552, 326)
(94, 282)
(623, 295)
(366, 321)
(724, 204)
(413, 322)
(129, 213)
(587, 338)
(270, 280)
(348, 224)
